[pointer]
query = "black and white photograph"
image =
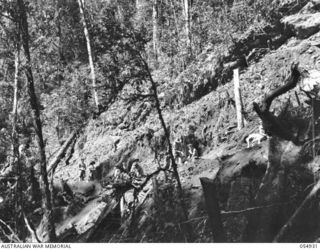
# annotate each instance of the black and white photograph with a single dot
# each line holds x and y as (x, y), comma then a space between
(159, 121)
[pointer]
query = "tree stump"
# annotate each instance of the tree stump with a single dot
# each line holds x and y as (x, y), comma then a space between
(213, 209)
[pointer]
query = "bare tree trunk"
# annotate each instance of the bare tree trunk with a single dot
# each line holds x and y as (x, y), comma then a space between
(155, 39)
(174, 38)
(137, 4)
(15, 87)
(175, 18)
(139, 11)
(59, 35)
(15, 143)
(237, 97)
(23, 29)
(187, 24)
(90, 57)
(120, 12)
(170, 150)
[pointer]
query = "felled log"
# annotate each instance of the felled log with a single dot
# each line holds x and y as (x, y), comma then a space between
(68, 234)
(54, 163)
(112, 204)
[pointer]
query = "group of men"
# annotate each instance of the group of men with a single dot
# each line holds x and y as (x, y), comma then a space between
(83, 170)
(183, 154)
(134, 171)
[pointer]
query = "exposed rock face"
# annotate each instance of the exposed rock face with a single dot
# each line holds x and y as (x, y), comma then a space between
(303, 25)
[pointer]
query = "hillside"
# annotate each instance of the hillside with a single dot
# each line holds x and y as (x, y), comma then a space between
(265, 191)
(245, 177)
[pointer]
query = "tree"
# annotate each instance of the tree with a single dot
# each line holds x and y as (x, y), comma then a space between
(90, 57)
(187, 20)
(155, 29)
(24, 32)
(15, 139)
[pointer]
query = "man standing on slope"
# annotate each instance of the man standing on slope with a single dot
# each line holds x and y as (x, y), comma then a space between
(82, 168)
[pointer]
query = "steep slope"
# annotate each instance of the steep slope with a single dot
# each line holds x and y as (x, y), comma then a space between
(204, 115)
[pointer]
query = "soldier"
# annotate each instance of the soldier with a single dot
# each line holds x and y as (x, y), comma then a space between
(91, 169)
(22, 149)
(192, 152)
(167, 161)
(177, 150)
(82, 168)
(117, 174)
(136, 170)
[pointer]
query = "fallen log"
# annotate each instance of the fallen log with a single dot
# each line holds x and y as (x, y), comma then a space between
(56, 160)
(112, 204)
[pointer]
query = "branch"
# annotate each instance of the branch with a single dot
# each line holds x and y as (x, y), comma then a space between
(6, 16)
(13, 234)
(291, 82)
(136, 97)
(250, 209)
(235, 212)
(31, 228)
(8, 177)
(149, 177)
(272, 124)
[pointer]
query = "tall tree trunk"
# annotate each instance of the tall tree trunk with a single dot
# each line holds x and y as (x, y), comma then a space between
(61, 61)
(15, 89)
(155, 38)
(120, 12)
(23, 29)
(139, 11)
(187, 24)
(90, 57)
(170, 150)
(175, 19)
(15, 144)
